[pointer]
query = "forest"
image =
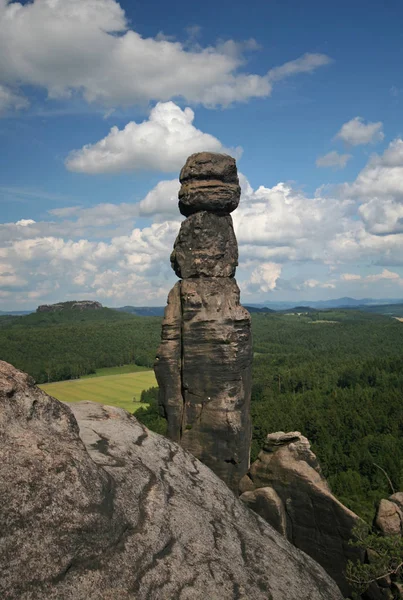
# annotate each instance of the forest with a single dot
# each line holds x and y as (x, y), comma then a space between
(63, 345)
(336, 376)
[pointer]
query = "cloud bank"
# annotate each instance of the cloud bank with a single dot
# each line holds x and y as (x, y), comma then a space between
(100, 252)
(86, 47)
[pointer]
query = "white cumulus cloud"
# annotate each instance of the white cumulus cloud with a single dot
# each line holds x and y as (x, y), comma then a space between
(379, 189)
(161, 143)
(281, 223)
(162, 200)
(333, 159)
(87, 47)
(350, 277)
(356, 132)
(289, 241)
(386, 274)
(263, 278)
(10, 100)
(314, 283)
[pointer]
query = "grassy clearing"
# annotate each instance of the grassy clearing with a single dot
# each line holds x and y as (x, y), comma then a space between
(114, 390)
(115, 371)
(324, 321)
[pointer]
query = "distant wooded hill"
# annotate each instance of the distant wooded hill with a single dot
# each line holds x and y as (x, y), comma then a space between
(388, 307)
(158, 311)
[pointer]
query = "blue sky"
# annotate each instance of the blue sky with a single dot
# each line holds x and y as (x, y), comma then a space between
(101, 102)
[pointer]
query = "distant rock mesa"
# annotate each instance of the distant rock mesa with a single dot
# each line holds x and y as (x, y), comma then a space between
(74, 305)
(203, 365)
(96, 507)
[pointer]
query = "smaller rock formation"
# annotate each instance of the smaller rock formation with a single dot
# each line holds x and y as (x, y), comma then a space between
(389, 522)
(286, 487)
(96, 507)
(74, 305)
(389, 516)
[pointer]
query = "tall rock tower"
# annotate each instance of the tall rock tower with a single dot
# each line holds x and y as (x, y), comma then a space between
(203, 365)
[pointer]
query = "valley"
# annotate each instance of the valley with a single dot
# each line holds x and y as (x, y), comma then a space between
(339, 382)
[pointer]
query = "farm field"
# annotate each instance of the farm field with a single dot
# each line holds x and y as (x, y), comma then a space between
(115, 390)
(116, 371)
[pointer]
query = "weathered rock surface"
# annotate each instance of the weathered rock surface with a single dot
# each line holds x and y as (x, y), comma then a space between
(205, 247)
(209, 182)
(203, 366)
(168, 365)
(389, 517)
(105, 510)
(302, 505)
(268, 504)
(216, 376)
(209, 165)
(209, 195)
(203, 371)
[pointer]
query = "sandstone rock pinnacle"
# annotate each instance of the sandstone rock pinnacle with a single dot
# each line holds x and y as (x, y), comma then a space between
(203, 365)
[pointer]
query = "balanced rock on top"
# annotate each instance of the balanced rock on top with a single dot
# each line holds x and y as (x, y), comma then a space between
(209, 182)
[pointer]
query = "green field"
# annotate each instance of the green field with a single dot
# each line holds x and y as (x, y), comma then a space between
(117, 389)
(116, 371)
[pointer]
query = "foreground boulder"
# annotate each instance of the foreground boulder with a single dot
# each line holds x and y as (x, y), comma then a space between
(96, 507)
(286, 487)
(203, 365)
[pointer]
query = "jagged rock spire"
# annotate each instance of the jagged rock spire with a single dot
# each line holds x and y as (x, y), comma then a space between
(203, 366)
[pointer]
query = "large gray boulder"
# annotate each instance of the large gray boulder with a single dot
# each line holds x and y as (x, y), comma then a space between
(96, 507)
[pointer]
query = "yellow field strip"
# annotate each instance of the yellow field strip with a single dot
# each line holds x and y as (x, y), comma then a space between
(114, 390)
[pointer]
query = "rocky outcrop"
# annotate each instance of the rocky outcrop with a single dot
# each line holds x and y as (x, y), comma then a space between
(389, 515)
(389, 522)
(79, 305)
(96, 507)
(286, 487)
(203, 365)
